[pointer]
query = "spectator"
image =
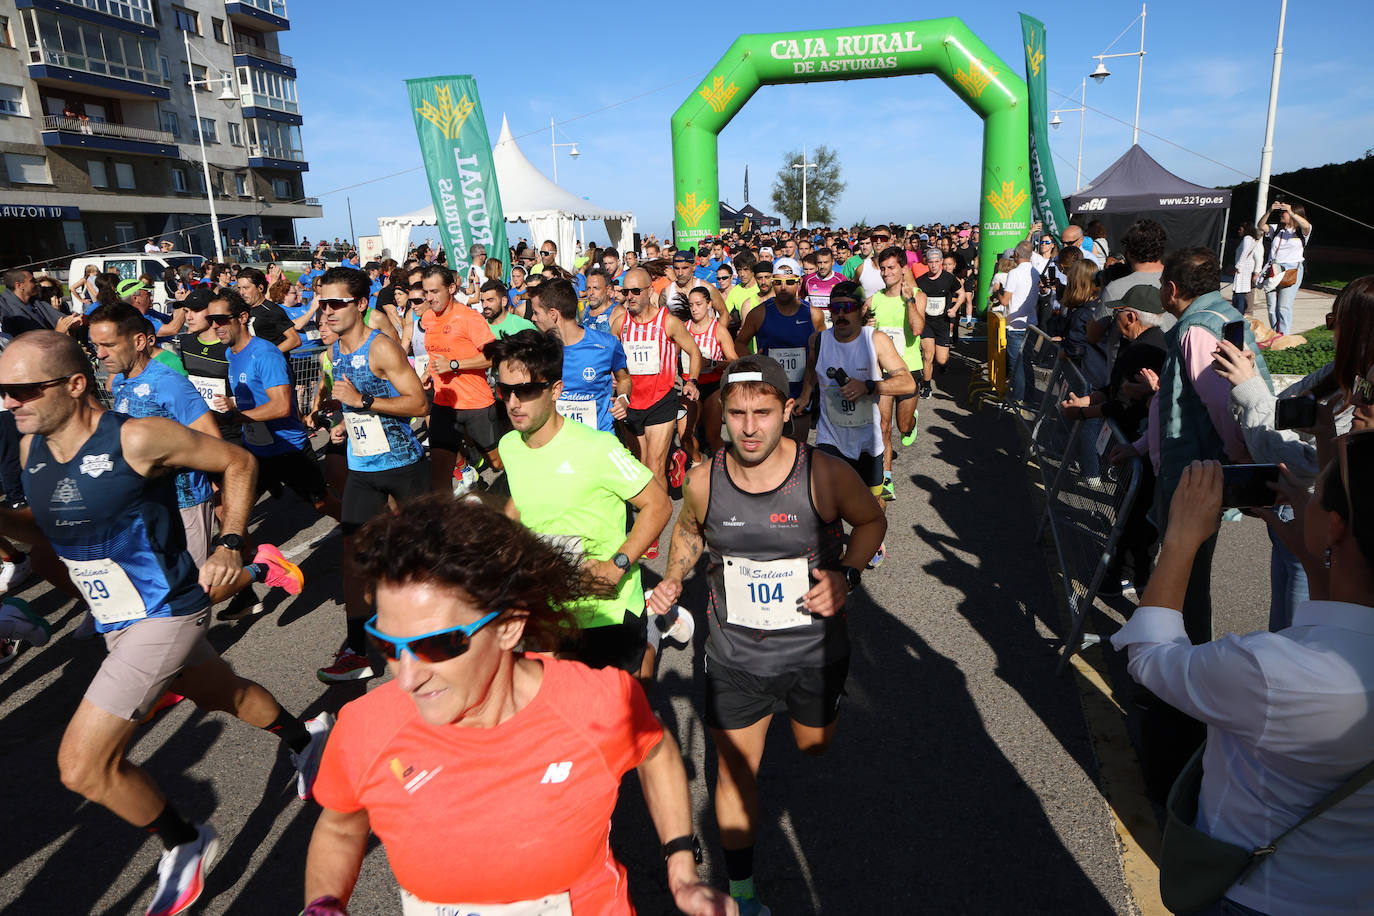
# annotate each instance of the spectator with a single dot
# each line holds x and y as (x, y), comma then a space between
(1249, 263)
(1018, 301)
(1081, 301)
(21, 310)
(1098, 233)
(1287, 250)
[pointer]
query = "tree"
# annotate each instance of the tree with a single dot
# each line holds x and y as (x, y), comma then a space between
(823, 186)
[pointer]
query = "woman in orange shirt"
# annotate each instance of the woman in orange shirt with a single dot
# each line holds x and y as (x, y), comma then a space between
(490, 774)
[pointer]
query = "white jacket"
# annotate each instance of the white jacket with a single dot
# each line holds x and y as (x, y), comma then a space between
(1249, 261)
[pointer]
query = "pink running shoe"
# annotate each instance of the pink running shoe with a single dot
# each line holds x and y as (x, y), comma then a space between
(281, 572)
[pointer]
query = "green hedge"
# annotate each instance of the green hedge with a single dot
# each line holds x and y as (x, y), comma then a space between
(1301, 360)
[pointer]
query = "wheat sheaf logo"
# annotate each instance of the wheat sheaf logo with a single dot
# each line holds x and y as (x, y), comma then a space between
(449, 118)
(1008, 202)
(718, 95)
(976, 79)
(1035, 57)
(691, 211)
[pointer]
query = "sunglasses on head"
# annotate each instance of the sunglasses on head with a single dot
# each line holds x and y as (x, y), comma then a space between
(220, 320)
(523, 391)
(331, 304)
(24, 392)
(431, 648)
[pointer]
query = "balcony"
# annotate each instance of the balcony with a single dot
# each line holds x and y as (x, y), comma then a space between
(70, 133)
(258, 15)
(248, 49)
(66, 51)
(268, 156)
(135, 16)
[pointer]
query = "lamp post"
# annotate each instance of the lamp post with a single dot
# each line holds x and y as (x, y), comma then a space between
(1101, 73)
(228, 96)
(554, 145)
(1082, 110)
(1267, 152)
(805, 167)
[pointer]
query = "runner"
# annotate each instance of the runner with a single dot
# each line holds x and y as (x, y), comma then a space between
(899, 311)
(267, 319)
(101, 490)
(853, 367)
(464, 408)
(942, 305)
(596, 382)
(768, 509)
(819, 285)
(782, 326)
(717, 350)
(503, 322)
(684, 280)
(601, 309)
(380, 393)
(571, 483)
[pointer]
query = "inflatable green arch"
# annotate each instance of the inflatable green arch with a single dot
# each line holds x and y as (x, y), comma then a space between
(941, 46)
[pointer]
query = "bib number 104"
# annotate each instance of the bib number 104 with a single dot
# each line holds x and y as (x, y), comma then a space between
(763, 593)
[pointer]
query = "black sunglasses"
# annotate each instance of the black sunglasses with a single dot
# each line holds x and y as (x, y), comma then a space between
(633, 290)
(523, 391)
(332, 304)
(23, 392)
(220, 320)
(844, 306)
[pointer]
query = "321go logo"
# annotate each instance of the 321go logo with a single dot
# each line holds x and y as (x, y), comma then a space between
(782, 518)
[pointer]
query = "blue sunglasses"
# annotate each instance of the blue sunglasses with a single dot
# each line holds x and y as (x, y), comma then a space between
(432, 648)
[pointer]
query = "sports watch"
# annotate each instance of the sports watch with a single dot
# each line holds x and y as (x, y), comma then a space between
(852, 578)
(453, 365)
(683, 844)
(232, 541)
(621, 562)
(367, 400)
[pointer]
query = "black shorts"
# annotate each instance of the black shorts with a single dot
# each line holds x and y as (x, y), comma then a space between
(618, 645)
(298, 471)
(664, 410)
(738, 699)
(707, 389)
(869, 467)
(448, 427)
(939, 328)
(366, 492)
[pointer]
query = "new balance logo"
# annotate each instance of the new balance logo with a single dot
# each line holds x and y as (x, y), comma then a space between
(566, 468)
(557, 772)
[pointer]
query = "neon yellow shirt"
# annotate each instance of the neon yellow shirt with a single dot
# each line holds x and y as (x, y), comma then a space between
(889, 316)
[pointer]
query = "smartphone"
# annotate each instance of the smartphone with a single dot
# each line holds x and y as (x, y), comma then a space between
(1246, 486)
(1234, 332)
(1295, 413)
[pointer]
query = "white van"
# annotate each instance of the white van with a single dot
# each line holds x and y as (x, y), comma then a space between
(130, 265)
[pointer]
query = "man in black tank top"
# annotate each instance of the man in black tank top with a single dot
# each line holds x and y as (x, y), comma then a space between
(770, 511)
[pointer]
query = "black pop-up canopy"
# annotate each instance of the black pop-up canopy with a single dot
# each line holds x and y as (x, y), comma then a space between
(1136, 187)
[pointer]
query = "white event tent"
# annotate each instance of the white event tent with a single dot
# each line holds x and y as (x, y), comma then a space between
(551, 211)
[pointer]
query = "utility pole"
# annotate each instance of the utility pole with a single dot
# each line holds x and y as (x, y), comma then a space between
(1267, 153)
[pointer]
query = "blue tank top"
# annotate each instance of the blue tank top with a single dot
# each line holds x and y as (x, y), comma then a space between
(600, 322)
(367, 430)
(784, 337)
(589, 368)
(159, 392)
(119, 533)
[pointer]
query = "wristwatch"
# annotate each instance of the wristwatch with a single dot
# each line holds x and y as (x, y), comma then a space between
(852, 578)
(453, 365)
(871, 385)
(367, 400)
(683, 844)
(232, 541)
(621, 562)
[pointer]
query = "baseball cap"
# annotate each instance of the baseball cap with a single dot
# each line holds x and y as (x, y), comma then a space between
(758, 368)
(197, 299)
(682, 256)
(1141, 298)
(935, 252)
(787, 267)
(925, 237)
(763, 267)
(128, 287)
(766, 252)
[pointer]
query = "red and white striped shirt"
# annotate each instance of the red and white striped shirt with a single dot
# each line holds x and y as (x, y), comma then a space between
(709, 345)
(652, 358)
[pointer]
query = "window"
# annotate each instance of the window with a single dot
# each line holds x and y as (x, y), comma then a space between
(171, 123)
(186, 20)
(60, 41)
(270, 90)
(74, 233)
(12, 100)
(281, 189)
(124, 175)
(5, 41)
(235, 133)
(99, 179)
(207, 130)
(124, 235)
(241, 185)
(166, 69)
(217, 29)
(125, 268)
(26, 169)
(178, 180)
(201, 75)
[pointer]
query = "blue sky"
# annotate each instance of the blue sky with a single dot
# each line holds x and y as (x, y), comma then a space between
(910, 150)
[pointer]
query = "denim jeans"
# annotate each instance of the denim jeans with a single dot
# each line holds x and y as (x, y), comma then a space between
(1287, 578)
(1088, 459)
(1020, 373)
(1240, 301)
(1227, 907)
(1281, 302)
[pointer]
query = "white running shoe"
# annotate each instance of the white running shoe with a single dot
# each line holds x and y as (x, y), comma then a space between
(14, 573)
(307, 762)
(181, 873)
(18, 623)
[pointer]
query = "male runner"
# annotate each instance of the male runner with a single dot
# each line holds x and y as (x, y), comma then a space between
(267, 319)
(101, 490)
(819, 285)
(769, 510)
(782, 326)
(942, 305)
(674, 296)
(379, 392)
(570, 482)
(503, 322)
(456, 372)
(596, 382)
(600, 309)
(853, 367)
(898, 311)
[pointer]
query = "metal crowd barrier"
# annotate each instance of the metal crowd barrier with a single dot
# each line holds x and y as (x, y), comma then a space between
(305, 376)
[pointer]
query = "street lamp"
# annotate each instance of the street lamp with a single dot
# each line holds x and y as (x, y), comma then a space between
(1082, 110)
(554, 145)
(1101, 73)
(805, 167)
(228, 96)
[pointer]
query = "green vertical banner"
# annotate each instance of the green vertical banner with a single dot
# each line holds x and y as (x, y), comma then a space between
(462, 177)
(1047, 204)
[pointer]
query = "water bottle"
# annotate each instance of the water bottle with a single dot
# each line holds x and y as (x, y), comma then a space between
(839, 375)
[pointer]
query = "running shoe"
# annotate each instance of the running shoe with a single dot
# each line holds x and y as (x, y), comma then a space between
(21, 624)
(166, 701)
(889, 491)
(878, 557)
(307, 762)
(652, 552)
(9, 651)
(281, 572)
(348, 666)
(910, 437)
(244, 604)
(926, 389)
(14, 573)
(677, 467)
(181, 873)
(750, 906)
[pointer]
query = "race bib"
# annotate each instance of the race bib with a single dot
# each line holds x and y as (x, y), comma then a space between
(255, 432)
(312, 333)
(582, 411)
(552, 905)
(764, 594)
(935, 305)
(898, 336)
(421, 364)
(642, 357)
(568, 543)
(107, 589)
(849, 414)
(210, 388)
(366, 435)
(793, 361)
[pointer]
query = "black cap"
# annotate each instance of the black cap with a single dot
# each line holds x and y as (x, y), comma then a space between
(198, 299)
(757, 368)
(1141, 298)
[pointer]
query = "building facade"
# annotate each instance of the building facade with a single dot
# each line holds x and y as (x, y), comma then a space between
(99, 133)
